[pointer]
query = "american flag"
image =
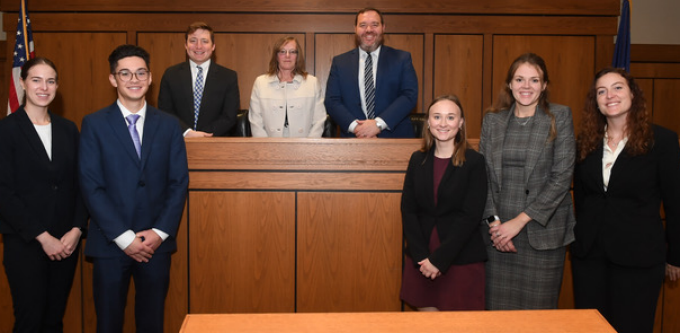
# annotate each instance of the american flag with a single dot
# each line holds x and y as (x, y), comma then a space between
(622, 51)
(23, 51)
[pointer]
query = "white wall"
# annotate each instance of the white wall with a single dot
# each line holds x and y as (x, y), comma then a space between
(655, 22)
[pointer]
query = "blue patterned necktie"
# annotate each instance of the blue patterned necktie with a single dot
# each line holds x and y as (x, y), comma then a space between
(370, 88)
(132, 120)
(198, 94)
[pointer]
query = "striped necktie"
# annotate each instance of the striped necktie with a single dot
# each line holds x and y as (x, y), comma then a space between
(132, 128)
(370, 87)
(198, 93)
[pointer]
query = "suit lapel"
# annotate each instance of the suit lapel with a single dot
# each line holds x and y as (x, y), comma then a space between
(150, 129)
(187, 85)
(31, 136)
(537, 141)
(354, 70)
(119, 127)
(497, 141)
(593, 167)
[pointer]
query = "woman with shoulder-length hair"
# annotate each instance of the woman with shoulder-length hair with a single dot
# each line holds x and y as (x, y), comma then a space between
(41, 212)
(626, 168)
(528, 144)
(287, 101)
(442, 203)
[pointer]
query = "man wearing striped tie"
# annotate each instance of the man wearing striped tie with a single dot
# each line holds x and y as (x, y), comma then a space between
(372, 89)
(201, 93)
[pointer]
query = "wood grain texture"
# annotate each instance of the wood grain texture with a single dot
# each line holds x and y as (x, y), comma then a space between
(565, 7)
(337, 181)
(665, 107)
(457, 65)
(241, 252)
(569, 59)
(537, 321)
(349, 252)
(300, 154)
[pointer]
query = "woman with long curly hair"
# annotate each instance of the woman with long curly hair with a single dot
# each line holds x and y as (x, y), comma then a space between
(626, 168)
(528, 144)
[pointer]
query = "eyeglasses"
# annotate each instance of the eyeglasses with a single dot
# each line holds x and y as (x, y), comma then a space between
(291, 52)
(126, 75)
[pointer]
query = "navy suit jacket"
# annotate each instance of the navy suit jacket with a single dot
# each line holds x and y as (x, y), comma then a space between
(38, 194)
(124, 192)
(396, 91)
(625, 221)
(219, 105)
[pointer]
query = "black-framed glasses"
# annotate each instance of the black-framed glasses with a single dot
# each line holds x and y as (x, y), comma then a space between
(291, 52)
(126, 75)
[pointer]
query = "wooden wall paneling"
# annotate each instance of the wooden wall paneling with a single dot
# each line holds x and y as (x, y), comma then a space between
(82, 62)
(565, 7)
(665, 107)
(458, 70)
(415, 44)
(604, 52)
(177, 301)
(349, 252)
(569, 60)
(242, 252)
(655, 70)
(165, 50)
(248, 54)
(390, 155)
(328, 46)
(654, 53)
(670, 306)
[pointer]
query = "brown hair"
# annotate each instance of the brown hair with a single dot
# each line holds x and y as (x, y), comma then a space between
(199, 25)
(638, 128)
(506, 99)
(460, 144)
(299, 62)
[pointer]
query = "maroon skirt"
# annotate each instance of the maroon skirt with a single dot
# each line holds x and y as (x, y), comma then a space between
(461, 288)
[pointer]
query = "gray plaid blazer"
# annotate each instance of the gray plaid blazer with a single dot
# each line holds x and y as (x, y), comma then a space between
(548, 174)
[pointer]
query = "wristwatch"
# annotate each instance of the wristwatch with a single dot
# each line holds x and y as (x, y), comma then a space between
(491, 219)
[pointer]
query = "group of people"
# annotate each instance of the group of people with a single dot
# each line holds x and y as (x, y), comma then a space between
(482, 230)
(490, 229)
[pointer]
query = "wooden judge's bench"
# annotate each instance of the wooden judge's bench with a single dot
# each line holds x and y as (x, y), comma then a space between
(294, 225)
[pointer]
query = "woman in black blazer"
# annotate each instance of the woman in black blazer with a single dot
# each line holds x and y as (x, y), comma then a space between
(41, 213)
(626, 168)
(442, 204)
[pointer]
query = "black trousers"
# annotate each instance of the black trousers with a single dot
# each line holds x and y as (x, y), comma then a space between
(39, 287)
(626, 296)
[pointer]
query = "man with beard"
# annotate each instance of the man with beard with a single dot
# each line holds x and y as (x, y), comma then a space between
(372, 89)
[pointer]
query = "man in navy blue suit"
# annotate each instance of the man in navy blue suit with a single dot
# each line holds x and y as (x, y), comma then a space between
(372, 96)
(134, 177)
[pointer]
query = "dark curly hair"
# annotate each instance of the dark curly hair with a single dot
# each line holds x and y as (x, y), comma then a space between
(638, 128)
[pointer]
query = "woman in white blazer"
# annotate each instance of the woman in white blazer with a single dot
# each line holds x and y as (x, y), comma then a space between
(287, 101)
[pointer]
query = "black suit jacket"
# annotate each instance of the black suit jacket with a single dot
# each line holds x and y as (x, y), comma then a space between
(457, 215)
(219, 104)
(625, 220)
(36, 194)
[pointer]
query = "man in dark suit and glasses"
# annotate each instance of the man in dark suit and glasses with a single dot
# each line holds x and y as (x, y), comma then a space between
(134, 176)
(202, 94)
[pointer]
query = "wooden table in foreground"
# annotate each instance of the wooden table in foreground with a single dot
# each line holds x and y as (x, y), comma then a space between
(535, 321)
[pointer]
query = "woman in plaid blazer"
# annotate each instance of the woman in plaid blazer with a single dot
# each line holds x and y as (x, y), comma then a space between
(529, 148)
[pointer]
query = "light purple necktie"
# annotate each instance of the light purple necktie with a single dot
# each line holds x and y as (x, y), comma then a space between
(132, 120)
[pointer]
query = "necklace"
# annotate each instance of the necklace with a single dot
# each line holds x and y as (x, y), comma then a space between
(528, 119)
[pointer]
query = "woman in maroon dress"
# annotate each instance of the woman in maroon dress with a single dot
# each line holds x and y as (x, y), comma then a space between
(442, 205)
